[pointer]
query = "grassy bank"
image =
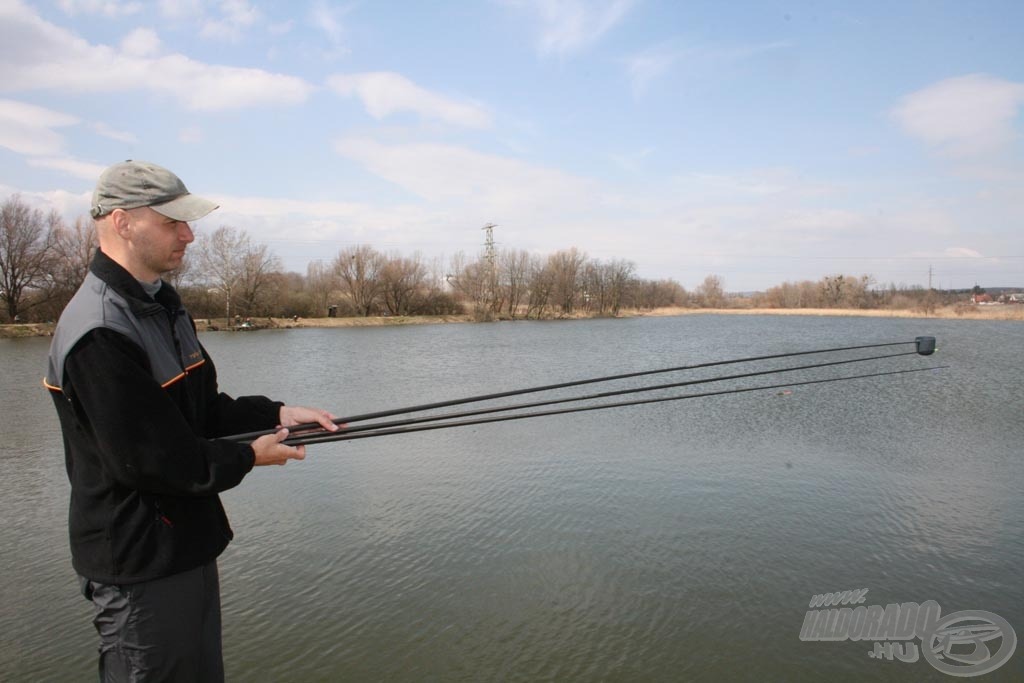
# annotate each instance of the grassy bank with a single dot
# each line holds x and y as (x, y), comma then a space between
(962, 312)
(26, 330)
(214, 324)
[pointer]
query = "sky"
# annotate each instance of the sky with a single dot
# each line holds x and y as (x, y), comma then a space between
(762, 142)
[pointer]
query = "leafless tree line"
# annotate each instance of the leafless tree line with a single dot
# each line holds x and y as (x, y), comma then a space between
(229, 276)
(518, 284)
(848, 291)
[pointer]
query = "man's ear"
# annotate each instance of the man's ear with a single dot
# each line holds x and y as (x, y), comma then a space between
(120, 220)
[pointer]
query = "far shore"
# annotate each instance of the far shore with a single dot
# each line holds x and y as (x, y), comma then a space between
(962, 312)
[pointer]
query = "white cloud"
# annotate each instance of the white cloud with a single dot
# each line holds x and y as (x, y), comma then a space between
(28, 129)
(218, 30)
(79, 169)
(142, 42)
(440, 173)
(108, 8)
(181, 9)
(569, 26)
(650, 65)
(384, 93)
(303, 231)
(237, 16)
(328, 20)
(68, 204)
(653, 63)
(962, 252)
(37, 55)
(749, 185)
(692, 223)
(119, 135)
(966, 116)
(265, 206)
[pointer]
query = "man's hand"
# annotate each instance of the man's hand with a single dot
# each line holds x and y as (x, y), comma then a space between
(268, 448)
(297, 415)
(270, 451)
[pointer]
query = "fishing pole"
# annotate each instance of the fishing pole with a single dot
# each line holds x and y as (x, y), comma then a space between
(924, 346)
(590, 397)
(349, 434)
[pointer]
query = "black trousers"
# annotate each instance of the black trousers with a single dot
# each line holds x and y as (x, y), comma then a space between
(162, 630)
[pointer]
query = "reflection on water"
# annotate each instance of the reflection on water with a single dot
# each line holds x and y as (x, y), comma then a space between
(675, 541)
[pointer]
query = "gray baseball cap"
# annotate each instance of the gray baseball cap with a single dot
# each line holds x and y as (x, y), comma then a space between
(132, 184)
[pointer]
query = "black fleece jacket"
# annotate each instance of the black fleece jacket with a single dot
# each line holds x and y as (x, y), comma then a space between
(142, 455)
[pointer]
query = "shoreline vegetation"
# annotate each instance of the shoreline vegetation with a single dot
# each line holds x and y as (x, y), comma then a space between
(230, 282)
(1008, 312)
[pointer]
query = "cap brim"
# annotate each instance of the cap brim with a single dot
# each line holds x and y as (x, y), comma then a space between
(187, 208)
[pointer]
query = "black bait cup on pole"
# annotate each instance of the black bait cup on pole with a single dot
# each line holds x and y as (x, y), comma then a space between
(925, 345)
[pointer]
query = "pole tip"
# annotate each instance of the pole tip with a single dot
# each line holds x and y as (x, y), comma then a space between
(925, 345)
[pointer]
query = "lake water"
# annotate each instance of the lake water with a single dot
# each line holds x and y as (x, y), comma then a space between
(670, 542)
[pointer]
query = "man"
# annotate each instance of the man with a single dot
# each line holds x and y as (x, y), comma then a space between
(140, 411)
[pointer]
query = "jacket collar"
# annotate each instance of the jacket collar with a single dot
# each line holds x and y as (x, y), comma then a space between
(125, 284)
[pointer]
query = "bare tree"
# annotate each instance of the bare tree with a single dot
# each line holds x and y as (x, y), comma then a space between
(593, 288)
(660, 294)
(73, 249)
(864, 296)
(620, 276)
(288, 294)
(566, 267)
(229, 261)
(321, 282)
(791, 295)
(515, 271)
(438, 296)
(258, 264)
(472, 281)
(401, 279)
(833, 289)
(542, 283)
(359, 269)
(26, 257)
(711, 292)
(220, 260)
